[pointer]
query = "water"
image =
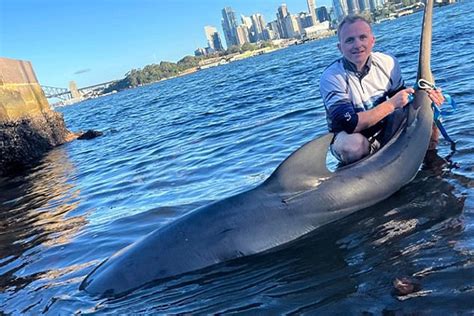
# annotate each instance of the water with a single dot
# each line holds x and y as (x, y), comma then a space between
(185, 142)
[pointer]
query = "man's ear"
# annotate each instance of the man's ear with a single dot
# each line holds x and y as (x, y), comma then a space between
(339, 47)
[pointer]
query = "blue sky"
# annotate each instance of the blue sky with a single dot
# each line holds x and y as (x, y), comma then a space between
(94, 41)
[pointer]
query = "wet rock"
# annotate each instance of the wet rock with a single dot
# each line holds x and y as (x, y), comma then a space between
(90, 134)
(28, 125)
(24, 141)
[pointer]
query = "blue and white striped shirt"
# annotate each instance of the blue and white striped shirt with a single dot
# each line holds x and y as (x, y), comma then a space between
(345, 91)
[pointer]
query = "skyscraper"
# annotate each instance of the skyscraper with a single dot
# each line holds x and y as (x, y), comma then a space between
(352, 6)
(229, 25)
(364, 5)
(243, 35)
(323, 14)
(258, 25)
(247, 21)
(213, 40)
(340, 9)
(373, 5)
(312, 11)
(282, 13)
(272, 28)
(292, 26)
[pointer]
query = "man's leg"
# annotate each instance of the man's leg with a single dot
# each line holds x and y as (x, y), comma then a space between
(349, 148)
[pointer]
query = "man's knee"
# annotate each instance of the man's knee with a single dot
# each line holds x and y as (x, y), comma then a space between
(351, 147)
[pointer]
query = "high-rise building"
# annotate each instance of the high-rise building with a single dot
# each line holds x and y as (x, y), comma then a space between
(247, 21)
(305, 20)
(352, 6)
(243, 35)
(268, 34)
(258, 25)
(364, 5)
(373, 5)
(323, 14)
(312, 11)
(292, 26)
(216, 39)
(229, 26)
(272, 28)
(282, 13)
(340, 9)
(213, 40)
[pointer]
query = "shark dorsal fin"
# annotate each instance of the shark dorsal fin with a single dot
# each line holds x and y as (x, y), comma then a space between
(304, 168)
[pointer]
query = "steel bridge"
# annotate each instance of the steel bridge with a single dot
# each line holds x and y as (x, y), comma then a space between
(54, 92)
(66, 94)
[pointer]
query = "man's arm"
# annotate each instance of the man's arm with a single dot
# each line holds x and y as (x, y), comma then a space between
(339, 108)
(371, 117)
(437, 97)
(398, 98)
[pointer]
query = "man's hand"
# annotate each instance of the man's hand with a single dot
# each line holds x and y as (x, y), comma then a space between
(436, 96)
(400, 99)
(373, 116)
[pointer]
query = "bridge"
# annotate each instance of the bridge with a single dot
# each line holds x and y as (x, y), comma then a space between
(54, 92)
(76, 93)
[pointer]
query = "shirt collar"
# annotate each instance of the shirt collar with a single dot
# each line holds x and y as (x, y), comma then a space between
(351, 67)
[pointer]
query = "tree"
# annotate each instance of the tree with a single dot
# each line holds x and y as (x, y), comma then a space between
(232, 50)
(188, 62)
(165, 69)
(247, 47)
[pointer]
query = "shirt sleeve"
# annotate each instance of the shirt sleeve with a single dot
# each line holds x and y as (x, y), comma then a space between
(339, 108)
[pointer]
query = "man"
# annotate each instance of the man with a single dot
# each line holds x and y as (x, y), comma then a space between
(360, 90)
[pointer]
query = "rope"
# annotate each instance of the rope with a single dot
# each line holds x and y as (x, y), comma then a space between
(424, 84)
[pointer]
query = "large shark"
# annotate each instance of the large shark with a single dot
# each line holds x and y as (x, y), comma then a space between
(300, 196)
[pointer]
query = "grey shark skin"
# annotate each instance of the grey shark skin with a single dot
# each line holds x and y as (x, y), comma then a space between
(300, 196)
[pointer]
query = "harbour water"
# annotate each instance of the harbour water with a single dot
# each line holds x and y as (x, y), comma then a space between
(179, 144)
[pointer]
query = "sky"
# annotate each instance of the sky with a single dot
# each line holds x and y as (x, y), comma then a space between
(95, 41)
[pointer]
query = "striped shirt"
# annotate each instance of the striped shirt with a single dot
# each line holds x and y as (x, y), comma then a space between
(346, 91)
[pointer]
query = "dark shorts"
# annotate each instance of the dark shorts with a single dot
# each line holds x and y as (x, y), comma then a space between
(380, 136)
(374, 145)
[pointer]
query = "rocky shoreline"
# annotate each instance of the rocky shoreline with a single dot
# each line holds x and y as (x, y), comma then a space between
(25, 141)
(28, 126)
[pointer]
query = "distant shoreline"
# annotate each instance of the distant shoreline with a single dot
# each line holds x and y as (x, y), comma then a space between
(223, 60)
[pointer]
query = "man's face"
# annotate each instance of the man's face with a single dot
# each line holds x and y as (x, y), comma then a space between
(356, 42)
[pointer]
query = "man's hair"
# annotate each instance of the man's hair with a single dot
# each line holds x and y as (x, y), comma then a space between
(352, 18)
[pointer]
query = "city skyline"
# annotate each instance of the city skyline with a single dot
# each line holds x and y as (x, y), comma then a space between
(98, 41)
(301, 26)
(254, 29)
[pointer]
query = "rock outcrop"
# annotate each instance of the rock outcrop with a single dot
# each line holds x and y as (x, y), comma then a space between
(28, 126)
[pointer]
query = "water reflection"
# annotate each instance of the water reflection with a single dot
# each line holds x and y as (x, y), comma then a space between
(35, 216)
(217, 132)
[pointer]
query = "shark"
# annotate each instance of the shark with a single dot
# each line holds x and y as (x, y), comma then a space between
(300, 196)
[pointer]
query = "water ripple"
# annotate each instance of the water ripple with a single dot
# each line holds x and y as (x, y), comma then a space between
(179, 144)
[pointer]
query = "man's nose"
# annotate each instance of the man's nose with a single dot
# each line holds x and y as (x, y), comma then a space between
(357, 42)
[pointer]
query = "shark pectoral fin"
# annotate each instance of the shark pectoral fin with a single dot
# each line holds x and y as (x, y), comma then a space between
(304, 168)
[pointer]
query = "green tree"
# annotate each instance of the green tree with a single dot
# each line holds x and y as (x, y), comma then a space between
(248, 47)
(232, 50)
(188, 62)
